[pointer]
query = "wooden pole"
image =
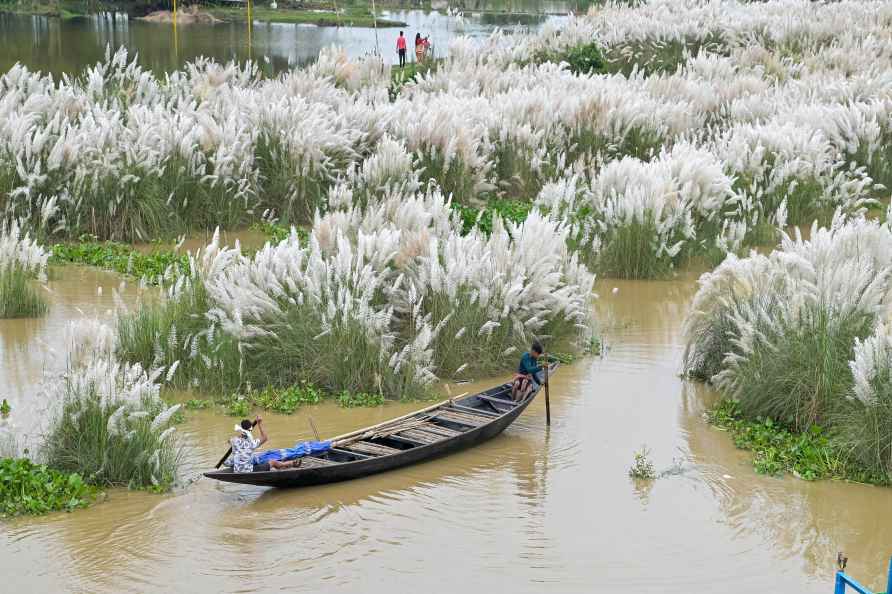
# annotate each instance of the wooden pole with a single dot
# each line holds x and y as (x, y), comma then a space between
(313, 427)
(547, 403)
(375, 23)
(250, 27)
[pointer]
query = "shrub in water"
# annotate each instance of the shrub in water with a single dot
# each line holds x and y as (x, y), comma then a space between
(112, 427)
(21, 262)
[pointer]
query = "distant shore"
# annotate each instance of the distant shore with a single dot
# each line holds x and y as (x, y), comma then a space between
(350, 15)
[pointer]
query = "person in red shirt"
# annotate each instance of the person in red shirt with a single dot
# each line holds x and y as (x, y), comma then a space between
(401, 49)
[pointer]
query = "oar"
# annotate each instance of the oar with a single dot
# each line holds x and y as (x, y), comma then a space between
(547, 403)
(229, 451)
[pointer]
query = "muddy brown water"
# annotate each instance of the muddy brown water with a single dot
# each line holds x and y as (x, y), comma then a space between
(536, 509)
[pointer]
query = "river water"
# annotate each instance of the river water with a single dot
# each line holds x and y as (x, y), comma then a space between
(69, 45)
(537, 509)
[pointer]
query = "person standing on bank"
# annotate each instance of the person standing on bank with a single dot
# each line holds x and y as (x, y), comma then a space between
(401, 49)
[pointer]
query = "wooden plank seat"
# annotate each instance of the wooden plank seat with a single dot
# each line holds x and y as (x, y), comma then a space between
(421, 436)
(494, 400)
(372, 449)
(463, 418)
(313, 462)
(439, 430)
(475, 411)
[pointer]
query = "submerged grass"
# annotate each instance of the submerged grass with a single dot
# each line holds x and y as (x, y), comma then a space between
(18, 296)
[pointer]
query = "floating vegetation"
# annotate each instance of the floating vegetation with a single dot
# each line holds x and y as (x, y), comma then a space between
(120, 258)
(642, 467)
(28, 488)
(810, 455)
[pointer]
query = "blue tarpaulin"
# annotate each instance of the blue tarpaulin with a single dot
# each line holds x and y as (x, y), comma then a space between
(300, 449)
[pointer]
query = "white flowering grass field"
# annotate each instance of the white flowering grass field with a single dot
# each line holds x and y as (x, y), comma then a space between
(637, 139)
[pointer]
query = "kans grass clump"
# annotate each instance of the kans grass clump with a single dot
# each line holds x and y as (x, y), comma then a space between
(22, 263)
(110, 424)
(799, 336)
(782, 102)
(381, 300)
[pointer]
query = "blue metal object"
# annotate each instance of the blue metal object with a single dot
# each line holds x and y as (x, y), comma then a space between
(843, 580)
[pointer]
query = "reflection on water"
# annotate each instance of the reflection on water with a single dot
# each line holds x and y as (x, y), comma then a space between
(69, 45)
(537, 509)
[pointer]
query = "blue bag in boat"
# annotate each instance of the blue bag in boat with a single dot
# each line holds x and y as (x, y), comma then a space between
(299, 450)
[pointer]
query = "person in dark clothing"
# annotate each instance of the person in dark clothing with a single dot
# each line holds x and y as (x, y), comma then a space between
(530, 374)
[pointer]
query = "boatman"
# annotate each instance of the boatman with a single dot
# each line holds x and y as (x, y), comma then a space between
(530, 374)
(243, 446)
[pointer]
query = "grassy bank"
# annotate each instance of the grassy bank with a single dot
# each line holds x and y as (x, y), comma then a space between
(812, 454)
(65, 9)
(28, 488)
(350, 16)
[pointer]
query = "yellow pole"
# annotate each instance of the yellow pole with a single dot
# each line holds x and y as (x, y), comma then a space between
(250, 25)
(176, 40)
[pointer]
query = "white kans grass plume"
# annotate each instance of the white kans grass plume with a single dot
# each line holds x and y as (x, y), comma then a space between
(19, 251)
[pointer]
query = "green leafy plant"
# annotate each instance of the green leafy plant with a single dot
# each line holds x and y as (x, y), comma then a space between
(348, 400)
(119, 257)
(197, 404)
(5, 409)
(286, 400)
(515, 211)
(238, 407)
(28, 488)
(585, 59)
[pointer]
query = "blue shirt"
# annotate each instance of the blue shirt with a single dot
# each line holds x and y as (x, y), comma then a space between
(528, 365)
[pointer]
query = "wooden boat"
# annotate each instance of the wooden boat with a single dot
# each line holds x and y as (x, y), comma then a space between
(437, 430)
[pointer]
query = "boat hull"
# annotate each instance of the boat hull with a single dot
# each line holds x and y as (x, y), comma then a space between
(317, 475)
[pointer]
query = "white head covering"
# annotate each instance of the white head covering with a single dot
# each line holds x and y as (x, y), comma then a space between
(239, 429)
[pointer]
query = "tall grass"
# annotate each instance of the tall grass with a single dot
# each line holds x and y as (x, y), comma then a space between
(799, 336)
(112, 428)
(22, 262)
(18, 296)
